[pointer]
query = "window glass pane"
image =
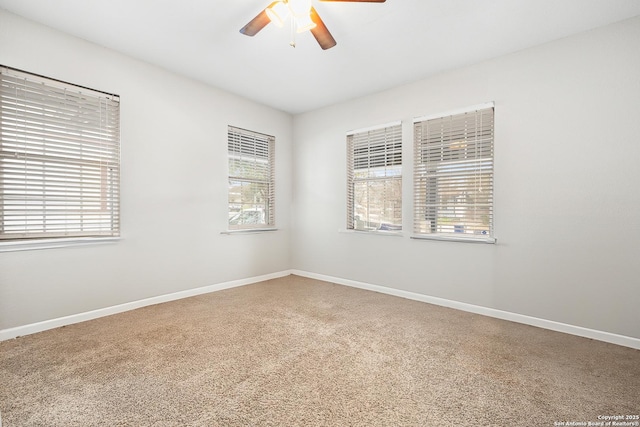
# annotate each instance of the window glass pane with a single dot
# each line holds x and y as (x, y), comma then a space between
(378, 205)
(245, 199)
(251, 179)
(59, 159)
(453, 175)
(374, 179)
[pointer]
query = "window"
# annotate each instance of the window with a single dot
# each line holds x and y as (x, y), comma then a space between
(59, 159)
(453, 176)
(374, 179)
(251, 179)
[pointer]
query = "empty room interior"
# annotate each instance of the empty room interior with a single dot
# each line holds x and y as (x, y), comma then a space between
(365, 213)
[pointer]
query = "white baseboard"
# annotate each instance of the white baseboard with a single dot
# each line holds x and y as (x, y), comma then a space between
(491, 312)
(6, 334)
(33, 328)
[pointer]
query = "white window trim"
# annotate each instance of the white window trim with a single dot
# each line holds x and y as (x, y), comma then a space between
(33, 244)
(490, 240)
(249, 231)
(376, 127)
(454, 112)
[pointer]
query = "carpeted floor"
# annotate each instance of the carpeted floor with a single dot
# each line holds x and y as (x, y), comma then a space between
(300, 352)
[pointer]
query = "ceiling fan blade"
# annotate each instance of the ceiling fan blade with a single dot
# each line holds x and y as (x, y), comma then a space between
(361, 1)
(320, 31)
(257, 23)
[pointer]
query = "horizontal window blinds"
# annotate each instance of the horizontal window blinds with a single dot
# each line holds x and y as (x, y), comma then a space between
(453, 175)
(374, 179)
(251, 179)
(59, 159)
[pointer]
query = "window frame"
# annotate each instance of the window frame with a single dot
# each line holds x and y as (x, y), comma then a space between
(379, 149)
(252, 148)
(60, 142)
(456, 166)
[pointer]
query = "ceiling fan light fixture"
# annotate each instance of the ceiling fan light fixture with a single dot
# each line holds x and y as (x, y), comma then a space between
(278, 13)
(303, 17)
(304, 23)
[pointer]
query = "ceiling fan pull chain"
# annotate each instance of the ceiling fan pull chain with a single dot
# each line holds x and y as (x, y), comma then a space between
(292, 43)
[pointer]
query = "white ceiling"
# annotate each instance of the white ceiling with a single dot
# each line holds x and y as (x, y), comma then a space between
(380, 45)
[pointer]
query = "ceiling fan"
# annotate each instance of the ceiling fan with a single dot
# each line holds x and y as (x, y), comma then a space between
(303, 17)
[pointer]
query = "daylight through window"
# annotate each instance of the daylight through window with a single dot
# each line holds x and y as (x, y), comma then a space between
(251, 179)
(453, 176)
(59, 159)
(374, 179)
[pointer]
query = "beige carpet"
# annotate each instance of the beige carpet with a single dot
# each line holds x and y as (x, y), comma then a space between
(300, 352)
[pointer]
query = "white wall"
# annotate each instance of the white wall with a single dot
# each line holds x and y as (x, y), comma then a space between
(567, 201)
(174, 187)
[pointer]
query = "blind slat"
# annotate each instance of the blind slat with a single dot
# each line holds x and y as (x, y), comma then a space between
(374, 178)
(59, 159)
(251, 157)
(453, 175)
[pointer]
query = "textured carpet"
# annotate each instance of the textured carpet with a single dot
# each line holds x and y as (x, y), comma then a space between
(300, 352)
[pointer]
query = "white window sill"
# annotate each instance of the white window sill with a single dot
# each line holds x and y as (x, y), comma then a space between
(462, 239)
(249, 231)
(372, 232)
(32, 245)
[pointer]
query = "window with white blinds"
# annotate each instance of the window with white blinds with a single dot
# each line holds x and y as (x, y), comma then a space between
(374, 179)
(453, 176)
(59, 159)
(251, 179)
